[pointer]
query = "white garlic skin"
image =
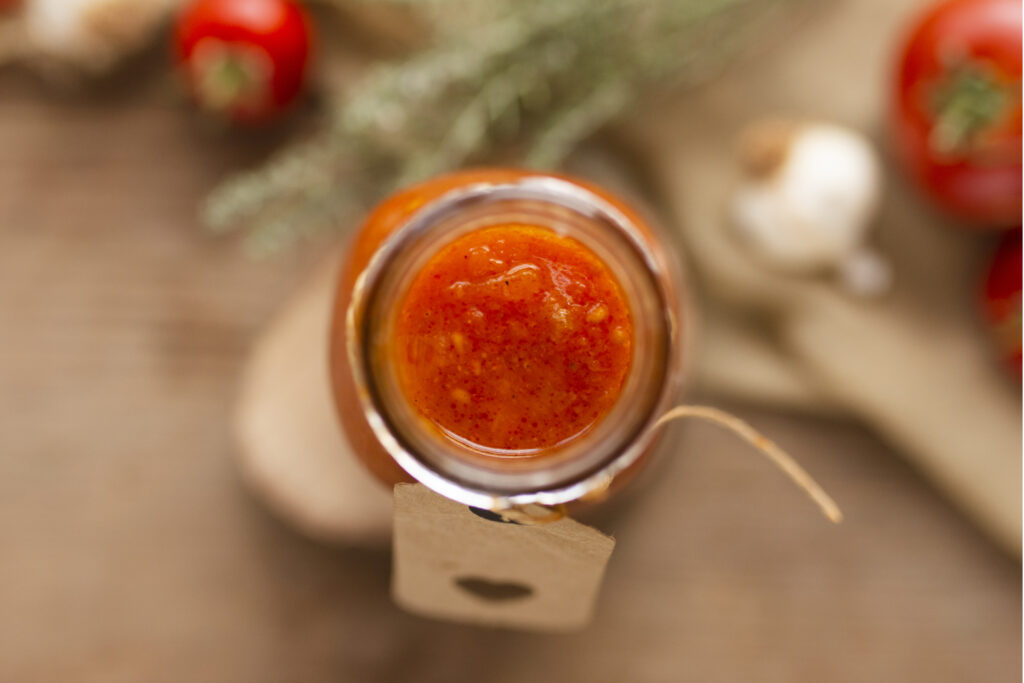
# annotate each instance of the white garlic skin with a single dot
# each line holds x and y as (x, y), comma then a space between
(814, 207)
(91, 34)
(865, 273)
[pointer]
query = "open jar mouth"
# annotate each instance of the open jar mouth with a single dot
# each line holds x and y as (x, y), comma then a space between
(497, 478)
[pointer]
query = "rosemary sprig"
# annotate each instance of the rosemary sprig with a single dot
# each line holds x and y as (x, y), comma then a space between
(536, 75)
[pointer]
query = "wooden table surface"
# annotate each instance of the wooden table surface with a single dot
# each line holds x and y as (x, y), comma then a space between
(131, 552)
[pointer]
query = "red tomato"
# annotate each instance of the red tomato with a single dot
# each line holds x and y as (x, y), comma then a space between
(1001, 299)
(956, 108)
(245, 59)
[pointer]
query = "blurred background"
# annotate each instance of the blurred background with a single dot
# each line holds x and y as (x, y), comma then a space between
(178, 179)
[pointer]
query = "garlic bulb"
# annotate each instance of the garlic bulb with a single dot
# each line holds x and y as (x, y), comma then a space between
(90, 35)
(808, 193)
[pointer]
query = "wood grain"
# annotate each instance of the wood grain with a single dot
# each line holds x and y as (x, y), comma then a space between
(130, 551)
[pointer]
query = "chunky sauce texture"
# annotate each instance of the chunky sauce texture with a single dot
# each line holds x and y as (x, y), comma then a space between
(513, 338)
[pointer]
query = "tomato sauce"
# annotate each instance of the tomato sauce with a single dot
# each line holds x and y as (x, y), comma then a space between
(513, 338)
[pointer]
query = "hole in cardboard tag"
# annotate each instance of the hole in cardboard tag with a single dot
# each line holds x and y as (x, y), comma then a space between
(490, 515)
(453, 564)
(493, 591)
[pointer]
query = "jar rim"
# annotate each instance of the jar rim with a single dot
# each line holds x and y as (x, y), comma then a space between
(580, 472)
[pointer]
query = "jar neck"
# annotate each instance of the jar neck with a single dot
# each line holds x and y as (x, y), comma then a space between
(477, 476)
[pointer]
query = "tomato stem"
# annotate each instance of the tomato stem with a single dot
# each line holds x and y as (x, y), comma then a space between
(970, 100)
(230, 79)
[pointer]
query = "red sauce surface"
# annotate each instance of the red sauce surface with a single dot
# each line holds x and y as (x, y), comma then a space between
(513, 337)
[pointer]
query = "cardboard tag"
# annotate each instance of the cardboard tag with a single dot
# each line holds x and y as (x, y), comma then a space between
(464, 564)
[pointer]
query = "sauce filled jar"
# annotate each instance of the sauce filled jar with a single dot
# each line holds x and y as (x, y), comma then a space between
(507, 337)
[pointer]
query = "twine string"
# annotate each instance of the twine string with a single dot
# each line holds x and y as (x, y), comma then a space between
(536, 514)
(785, 462)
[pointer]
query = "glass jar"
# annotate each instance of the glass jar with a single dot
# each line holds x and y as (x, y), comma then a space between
(398, 238)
